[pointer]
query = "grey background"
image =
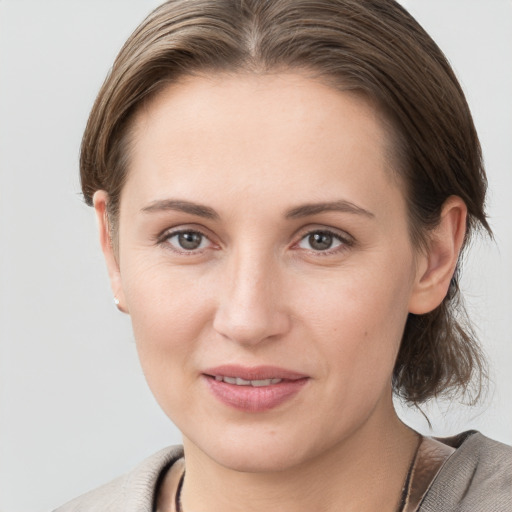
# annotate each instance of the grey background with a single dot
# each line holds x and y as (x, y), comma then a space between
(74, 408)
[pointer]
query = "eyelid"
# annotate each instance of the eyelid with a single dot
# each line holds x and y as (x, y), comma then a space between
(183, 227)
(163, 237)
(345, 238)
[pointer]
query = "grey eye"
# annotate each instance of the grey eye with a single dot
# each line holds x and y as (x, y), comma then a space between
(320, 241)
(188, 241)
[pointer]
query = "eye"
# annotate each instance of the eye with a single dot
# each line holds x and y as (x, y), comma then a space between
(322, 241)
(187, 241)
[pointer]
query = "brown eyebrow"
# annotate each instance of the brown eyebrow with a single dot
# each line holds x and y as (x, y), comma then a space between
(295, 213)
(333, 206)
(182, 206)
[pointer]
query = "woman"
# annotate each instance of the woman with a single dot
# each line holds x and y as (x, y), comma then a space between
(283, 190)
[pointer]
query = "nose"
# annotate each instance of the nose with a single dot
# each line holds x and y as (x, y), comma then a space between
(252, 305)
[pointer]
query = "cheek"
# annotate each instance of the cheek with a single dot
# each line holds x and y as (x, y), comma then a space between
(167, 334)
(169, 311)
(359, 321)
(162, 299)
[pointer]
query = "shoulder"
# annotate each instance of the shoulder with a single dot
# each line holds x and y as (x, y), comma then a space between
(476, 477)
(133, 492)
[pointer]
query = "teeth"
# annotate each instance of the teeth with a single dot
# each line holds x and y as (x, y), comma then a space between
(259, 383)
(242, 382)
(265, 382)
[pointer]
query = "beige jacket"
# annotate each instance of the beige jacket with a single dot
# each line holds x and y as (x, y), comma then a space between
(477, 477)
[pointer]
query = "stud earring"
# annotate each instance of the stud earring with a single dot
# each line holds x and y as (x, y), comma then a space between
(117, 304)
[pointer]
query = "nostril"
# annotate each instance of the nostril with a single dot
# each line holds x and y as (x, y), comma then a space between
(251, 326)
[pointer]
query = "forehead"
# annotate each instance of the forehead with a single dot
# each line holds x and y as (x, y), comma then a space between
(258, 133)
(249, 101)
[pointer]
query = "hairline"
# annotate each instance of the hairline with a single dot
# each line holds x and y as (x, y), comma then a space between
(392, 143)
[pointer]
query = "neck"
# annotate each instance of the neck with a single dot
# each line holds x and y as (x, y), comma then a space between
(364, 472)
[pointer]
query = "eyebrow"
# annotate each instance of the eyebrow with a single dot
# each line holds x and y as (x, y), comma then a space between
(295, 213)
(333, 206)
(182, 206)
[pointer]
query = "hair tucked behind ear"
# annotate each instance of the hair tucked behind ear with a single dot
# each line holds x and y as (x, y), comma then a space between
(372, 46)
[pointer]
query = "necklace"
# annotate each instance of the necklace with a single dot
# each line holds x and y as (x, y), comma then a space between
(403, 496)
(177, 498)
(408, 477)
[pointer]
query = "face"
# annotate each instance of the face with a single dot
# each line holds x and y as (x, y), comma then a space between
(265, 260)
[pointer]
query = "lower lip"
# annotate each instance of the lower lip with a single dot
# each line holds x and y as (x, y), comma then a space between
(254, 399)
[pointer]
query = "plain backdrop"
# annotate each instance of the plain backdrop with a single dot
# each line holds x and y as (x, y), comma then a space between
(74, 407)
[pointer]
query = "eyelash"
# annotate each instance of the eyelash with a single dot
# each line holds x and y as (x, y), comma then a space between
(168, 235)
(345, 242)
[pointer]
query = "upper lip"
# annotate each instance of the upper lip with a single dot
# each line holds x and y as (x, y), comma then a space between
(254, 372)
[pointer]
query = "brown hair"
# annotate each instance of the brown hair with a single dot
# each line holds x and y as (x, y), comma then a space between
(372, 46)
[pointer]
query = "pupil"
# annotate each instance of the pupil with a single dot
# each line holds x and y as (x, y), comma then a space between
(189, 240)
(320, 241)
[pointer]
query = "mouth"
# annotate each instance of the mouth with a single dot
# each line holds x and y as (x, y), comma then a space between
(244, 376)
(238, 381)
(254, 389)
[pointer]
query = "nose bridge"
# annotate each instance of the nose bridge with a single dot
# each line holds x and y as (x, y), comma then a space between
(251, 308)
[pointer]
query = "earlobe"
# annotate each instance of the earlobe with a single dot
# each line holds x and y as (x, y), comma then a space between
(100, 201)
(437, 264)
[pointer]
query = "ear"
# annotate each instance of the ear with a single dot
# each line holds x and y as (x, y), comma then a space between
(436, 266)
(100, 201)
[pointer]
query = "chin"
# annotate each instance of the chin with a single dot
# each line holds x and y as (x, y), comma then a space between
(256, 461)
(255, 454)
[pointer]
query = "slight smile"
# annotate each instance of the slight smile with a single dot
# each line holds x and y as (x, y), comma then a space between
(255, 389)
(242, 382)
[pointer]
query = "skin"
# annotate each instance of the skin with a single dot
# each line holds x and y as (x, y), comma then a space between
(252, 149)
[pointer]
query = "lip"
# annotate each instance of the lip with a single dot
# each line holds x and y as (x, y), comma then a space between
(254, 372)
(254, 399)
